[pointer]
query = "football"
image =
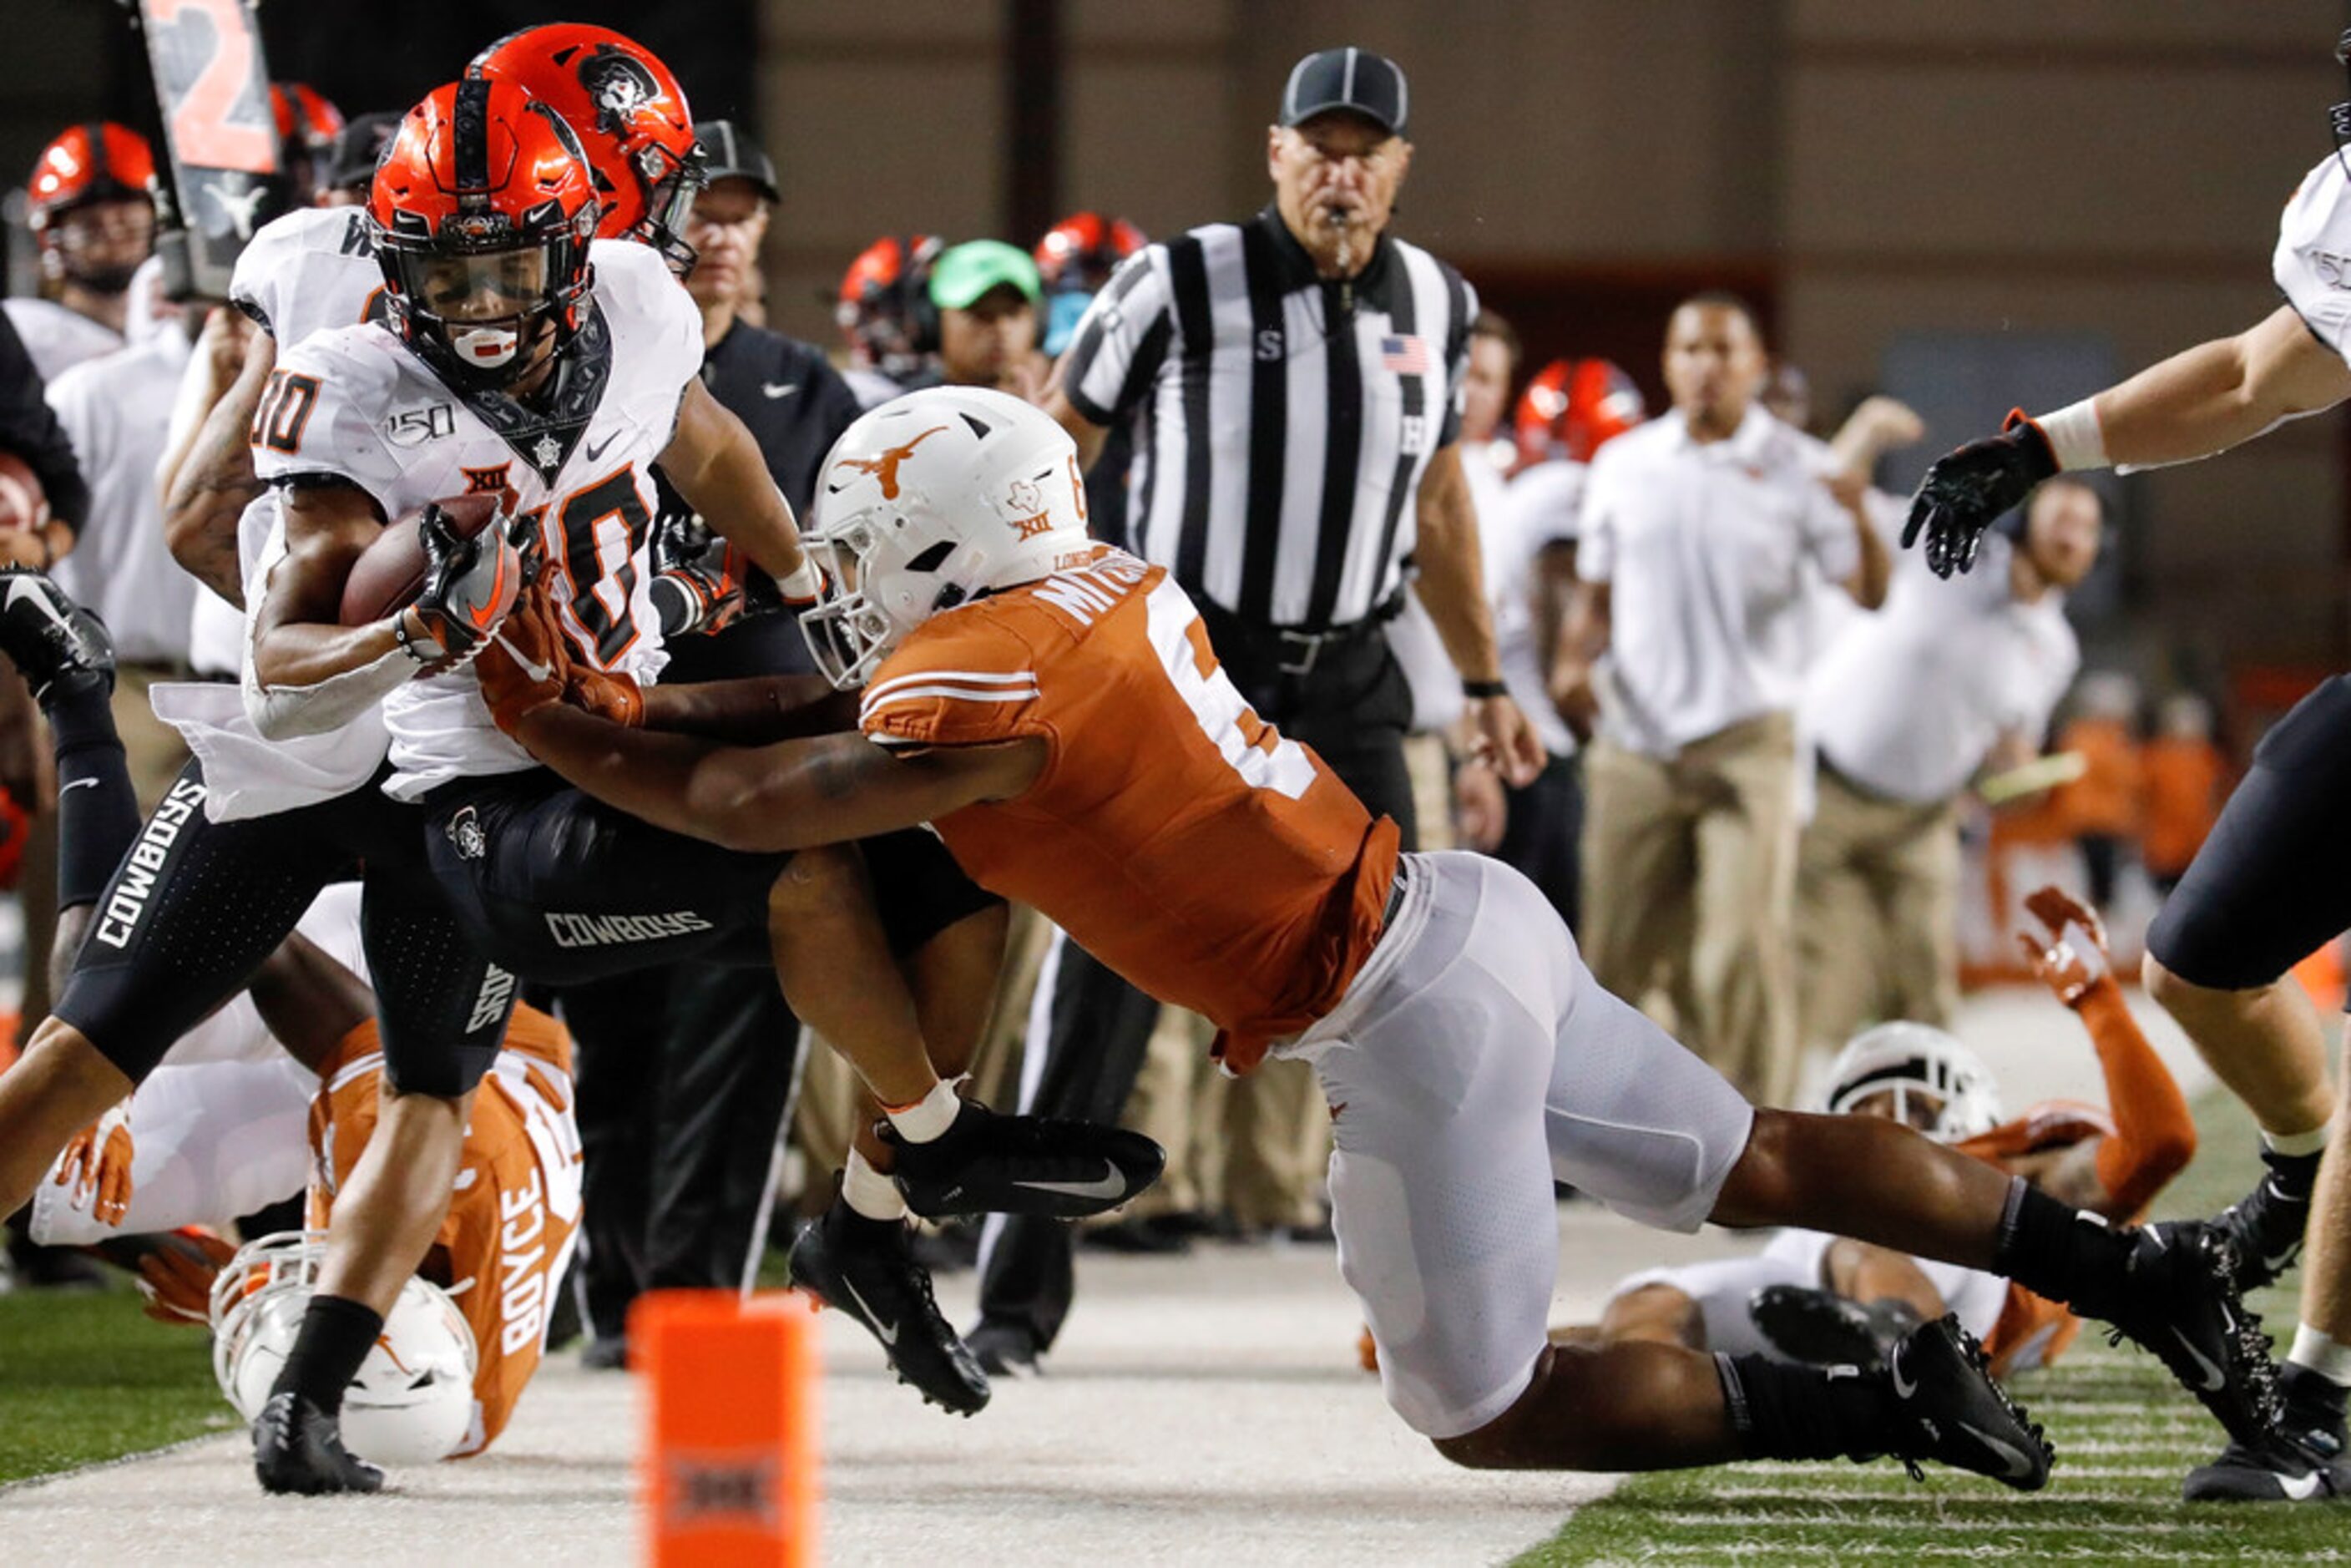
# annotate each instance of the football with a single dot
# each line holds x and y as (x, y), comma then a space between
(391, 573)
(23, 504)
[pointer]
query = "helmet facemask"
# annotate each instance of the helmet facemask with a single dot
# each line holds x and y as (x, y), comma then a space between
(875, 591)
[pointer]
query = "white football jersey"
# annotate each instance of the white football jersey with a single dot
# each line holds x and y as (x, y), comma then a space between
(312, 269)
(356, 405)
(2312, 262)
(58, 339)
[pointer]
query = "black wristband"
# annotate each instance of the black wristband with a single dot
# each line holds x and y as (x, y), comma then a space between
(1483, 689)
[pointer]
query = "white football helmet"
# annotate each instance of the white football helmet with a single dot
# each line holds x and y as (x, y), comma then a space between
(1917, 1058)
(929, 502)
(413, 1401)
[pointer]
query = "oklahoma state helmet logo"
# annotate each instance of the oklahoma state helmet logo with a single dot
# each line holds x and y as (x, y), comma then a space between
(620, 86)
(885, 467)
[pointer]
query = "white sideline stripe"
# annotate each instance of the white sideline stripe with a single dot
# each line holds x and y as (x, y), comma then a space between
(2184, 1416)
(27, 1483)
(1762, 1519)
(1919, 1497)
(967, 677)
(1989, 1552)
(964, 693)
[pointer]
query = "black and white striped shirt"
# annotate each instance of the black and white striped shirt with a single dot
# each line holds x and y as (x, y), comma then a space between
(1284, 421)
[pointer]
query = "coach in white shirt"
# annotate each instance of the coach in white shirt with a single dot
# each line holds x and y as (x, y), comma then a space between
(1703, 533)
(1952, 676)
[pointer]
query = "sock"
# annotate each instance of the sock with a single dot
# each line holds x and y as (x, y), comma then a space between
(2296, 1175)
(2317, 1352)
(335, 1335)
(2061, 1253)
(2299, 1145)
(869, 1193)
(928, 1117)
(98, 811)
(1783, 1412)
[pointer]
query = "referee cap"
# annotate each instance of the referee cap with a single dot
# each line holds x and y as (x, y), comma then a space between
(728, 154)
(975, 267)
(1355, 80)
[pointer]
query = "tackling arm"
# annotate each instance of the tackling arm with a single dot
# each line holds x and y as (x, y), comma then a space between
(789, 796)
(715, 462)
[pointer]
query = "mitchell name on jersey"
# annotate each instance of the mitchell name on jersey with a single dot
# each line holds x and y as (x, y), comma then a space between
(355, 405)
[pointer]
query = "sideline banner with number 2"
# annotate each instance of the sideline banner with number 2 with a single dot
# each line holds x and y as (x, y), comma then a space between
(227, 177)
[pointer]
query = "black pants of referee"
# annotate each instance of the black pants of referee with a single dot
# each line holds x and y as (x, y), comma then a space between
(1089, 1028)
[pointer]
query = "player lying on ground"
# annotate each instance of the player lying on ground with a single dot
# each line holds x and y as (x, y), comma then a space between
(1054, 709)
(2269, 885)
(1829, 1301)
(280, 1090)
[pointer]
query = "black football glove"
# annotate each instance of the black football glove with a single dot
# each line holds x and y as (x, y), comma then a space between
(470, 584)
(1963, 492)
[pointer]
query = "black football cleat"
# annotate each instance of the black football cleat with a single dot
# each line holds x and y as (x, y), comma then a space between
(1821, 1327)
(2302, 1461)
(48, 635)
(865, 1268)
(2280, 1469)
(1004, 1349)
(299, 1448)
(2264, 1227)
(988, 1164)
(1947, 1409)
(2179, 1302)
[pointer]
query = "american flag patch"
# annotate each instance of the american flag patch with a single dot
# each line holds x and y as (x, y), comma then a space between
(1406, 356)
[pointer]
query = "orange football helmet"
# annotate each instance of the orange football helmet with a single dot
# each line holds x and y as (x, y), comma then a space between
(307, 125)
(88, 164)
(93, 162)
(631, 116)
(1083, 249)
(482, 213)
(1574, 407)
(884, 309)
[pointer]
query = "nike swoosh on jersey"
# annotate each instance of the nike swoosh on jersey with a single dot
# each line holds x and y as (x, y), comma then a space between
(1111, 1184)
(596, 449)
(886, 1332)
(778, 389)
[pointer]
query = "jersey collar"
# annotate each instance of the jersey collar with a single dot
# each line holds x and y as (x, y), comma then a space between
(1296, 267)
(543, 433)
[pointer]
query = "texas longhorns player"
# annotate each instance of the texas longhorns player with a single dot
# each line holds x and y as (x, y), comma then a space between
(1054, 709)
(1829, 1301)
(236, 1118)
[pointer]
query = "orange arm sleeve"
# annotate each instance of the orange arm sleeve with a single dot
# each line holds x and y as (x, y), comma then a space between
(2154, 1136)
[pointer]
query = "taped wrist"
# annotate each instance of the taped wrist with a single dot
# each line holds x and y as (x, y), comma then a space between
(280, 713)
(2077, 440)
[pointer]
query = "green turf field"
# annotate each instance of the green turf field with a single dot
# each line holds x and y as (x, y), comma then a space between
(2125, 1435)
(85, 1377)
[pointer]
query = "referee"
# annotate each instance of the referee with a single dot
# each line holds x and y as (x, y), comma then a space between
(1295, 383)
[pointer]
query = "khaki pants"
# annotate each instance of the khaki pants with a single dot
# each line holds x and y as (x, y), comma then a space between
(1689, 873)
(1877, 899)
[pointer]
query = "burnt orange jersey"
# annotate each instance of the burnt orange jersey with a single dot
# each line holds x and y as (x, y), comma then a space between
(1172, 834)
(516, 1212)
